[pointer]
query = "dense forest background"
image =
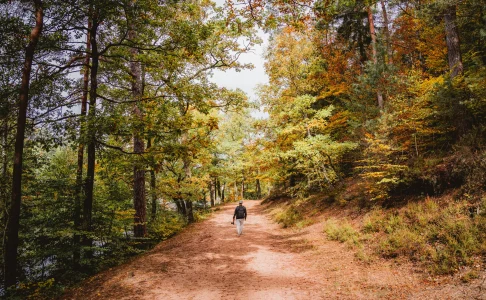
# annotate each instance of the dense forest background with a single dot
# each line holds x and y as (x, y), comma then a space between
(114, 137)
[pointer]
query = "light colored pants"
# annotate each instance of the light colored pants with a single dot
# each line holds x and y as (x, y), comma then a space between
(239, 226)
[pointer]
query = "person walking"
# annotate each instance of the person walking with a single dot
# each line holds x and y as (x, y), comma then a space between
(240, 216)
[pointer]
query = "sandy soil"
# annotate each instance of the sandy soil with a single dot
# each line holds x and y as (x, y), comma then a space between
(209, 261)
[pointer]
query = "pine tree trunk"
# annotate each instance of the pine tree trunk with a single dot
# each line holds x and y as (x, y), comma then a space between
(379, 94)
(139, 201)
(79, 171)
(13, 223)
(91, 133)
(453, 42)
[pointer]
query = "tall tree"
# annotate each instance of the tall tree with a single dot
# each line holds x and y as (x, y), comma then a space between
(139, 201)
(82, 134)
(91, 129)
(12, 231)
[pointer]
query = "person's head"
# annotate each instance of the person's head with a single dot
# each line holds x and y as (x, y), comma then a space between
(241, 202)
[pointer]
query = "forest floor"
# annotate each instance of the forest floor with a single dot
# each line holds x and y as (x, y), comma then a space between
(209, 261)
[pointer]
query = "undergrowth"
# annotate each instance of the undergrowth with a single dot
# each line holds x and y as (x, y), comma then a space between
(441, 236)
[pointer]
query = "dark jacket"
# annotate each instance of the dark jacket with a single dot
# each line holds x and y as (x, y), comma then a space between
(240, 212)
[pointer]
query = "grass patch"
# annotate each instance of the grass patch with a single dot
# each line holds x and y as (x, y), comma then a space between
(442, 237)
(304, 223)
(342, 232)
(288, 216)
(471, 275)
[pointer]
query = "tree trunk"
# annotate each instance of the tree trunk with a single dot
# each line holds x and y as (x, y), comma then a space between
(258, 189)
(91, 133)
(5, 152)
(218, 191)
(236, 190)
(222, 192)
(371, 22)
(153, 191)
(13, 223)
(190, 213)
(79, 171)
(188, 173)
(389, 50)
(211, 192)
(181, 206)
(139, 201)
(243, 188)
(154, 194)
(453, 42)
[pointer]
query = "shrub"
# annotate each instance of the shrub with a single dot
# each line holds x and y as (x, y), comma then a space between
(166, 224)
(288, 216)
(443, 237)
(402, 241)
(343, 233)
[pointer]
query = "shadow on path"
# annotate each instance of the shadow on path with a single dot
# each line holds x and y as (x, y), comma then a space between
(209, 261)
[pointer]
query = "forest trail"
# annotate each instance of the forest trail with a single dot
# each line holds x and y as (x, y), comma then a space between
(209, 261)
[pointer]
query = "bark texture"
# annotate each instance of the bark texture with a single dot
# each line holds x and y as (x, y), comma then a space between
(13, 223)
(453, 42)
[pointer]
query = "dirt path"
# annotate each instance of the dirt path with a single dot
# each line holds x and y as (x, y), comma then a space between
(209, 261)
